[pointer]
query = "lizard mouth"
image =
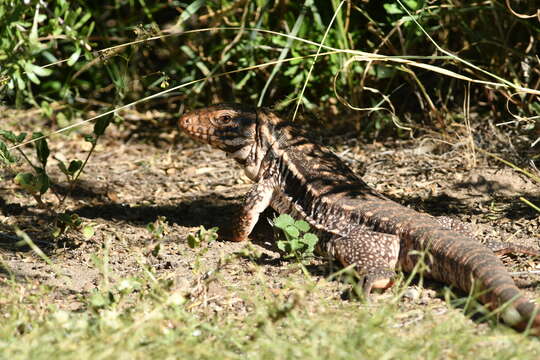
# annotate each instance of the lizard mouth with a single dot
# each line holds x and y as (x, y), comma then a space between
(205, 136)
(199, 134)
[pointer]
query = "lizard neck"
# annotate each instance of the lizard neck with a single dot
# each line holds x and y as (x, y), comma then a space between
(258, 156)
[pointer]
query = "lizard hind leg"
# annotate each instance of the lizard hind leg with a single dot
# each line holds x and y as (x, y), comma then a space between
(373, 254)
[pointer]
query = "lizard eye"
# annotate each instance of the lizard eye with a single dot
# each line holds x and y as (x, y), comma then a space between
(224, 119)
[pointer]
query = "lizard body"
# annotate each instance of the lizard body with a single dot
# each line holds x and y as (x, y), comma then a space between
(359, 226)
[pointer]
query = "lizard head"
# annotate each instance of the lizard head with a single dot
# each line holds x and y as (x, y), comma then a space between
(229, 127)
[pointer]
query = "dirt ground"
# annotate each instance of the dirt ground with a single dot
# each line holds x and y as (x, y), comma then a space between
(140, 172)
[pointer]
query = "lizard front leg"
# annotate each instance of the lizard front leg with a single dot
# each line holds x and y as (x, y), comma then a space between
(374, 255)
(256, 201)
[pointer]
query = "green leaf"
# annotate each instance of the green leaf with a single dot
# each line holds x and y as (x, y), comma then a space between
(413, 4)
(193, 242)
(62, 167)
(283, 220)
(101, 124)
(211, 234)
(295, 245)
(56, 232)
(297, 79)
(18, 78)
(90, 138)
(74, 57)
(240, 84)
(5, 155)
(33, 78)
(291, 70)
(72, 220)
(189, 11)
(27, 181)
(31, 183)
(65, 219)
(282, 245)
(42, 149)
(76, 220)
(74, 166)
(310, 239)
(8, 135)
(98, 301)
(38, 70)
(292, 231)
(393, 9)
(33, 37)
(61, 119)
(301, 225)
(156, 250)
(82, 20)
(21, 137)
(46, 107)
(33, 71)
(158, 231)
(42, 181)
(88, 231)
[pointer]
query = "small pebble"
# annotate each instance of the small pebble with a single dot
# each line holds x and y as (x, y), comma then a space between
(411, 294)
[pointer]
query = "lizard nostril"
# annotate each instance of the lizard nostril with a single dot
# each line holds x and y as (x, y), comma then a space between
(185, 121)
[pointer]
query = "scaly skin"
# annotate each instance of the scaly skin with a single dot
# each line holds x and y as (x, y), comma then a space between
(357, 225)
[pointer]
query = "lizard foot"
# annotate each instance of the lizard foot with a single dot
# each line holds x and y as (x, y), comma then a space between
(502, 248)
(376, 279)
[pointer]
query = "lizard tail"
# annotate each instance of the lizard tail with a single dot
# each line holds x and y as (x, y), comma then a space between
(456, 259)
(515, 308)
(468, 264)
